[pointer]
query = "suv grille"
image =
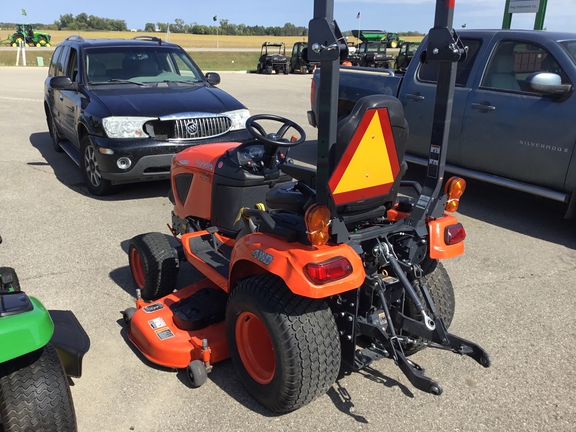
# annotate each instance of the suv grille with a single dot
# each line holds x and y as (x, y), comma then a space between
(191, 128)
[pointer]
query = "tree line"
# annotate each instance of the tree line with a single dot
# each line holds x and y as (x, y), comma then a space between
(87, 22)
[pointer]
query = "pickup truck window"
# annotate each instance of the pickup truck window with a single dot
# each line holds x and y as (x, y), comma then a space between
(512, 61)
(428, 72)
(570, 48)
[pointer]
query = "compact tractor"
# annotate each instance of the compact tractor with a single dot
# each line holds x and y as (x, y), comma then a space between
(308, 272)
(273, 59)
(25, 33)
(39, 349)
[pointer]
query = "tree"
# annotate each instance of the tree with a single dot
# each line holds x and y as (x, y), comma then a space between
(149, 27)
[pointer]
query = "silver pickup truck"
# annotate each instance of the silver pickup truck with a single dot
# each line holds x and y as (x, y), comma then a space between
(514, 110)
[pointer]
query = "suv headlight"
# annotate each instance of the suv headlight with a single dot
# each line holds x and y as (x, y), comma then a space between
(125, 127)
(239, 118)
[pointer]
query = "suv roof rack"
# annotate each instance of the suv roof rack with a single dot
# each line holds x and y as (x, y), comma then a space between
(149, 38)
(76, 38)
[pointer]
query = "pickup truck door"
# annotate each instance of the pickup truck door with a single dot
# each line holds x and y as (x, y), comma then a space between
(510, 132)
(418, 94)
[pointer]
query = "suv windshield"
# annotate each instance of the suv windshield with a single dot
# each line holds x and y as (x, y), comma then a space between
(140, 65)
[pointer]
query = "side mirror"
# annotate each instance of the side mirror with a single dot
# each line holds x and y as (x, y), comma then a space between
(213, 78)
(547, 83)
(63, 83)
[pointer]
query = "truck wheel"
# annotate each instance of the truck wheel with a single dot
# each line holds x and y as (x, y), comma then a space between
(154, 265)
(197, 373)
(286, 348)
(34, 393)
(442, 292)
(96, 184)
(53, 129)
(9, 271)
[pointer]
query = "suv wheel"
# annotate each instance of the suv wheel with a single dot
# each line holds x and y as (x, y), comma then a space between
(96, 184)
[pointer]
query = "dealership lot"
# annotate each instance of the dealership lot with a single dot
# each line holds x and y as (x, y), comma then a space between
(514, 296)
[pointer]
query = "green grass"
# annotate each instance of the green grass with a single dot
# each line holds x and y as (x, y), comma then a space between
(208, 61)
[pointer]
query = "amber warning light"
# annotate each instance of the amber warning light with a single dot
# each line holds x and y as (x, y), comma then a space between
(454, 189)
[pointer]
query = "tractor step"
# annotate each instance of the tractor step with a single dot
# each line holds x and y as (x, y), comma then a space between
(216, 257)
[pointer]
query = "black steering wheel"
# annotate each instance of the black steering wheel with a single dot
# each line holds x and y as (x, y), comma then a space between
(273, 141)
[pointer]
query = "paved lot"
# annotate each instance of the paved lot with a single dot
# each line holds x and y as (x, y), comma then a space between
(514, 293)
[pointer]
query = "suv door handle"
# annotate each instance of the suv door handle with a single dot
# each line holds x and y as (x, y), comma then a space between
(415, 97)
(483, 106)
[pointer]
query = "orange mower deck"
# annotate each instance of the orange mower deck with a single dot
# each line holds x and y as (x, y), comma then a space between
(157, 332)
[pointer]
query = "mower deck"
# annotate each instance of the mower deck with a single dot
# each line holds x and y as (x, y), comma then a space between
(171, 331)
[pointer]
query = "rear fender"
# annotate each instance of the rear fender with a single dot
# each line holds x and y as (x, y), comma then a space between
(22, 333)
(262, 253)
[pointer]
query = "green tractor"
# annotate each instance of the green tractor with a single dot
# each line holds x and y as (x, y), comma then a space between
(393, 40)
(39, 349)
(25, 33)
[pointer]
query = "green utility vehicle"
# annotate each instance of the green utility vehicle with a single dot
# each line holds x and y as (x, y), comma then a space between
(38, 349)
(26, 33)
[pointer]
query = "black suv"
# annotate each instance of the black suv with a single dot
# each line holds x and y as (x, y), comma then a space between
(121, 108)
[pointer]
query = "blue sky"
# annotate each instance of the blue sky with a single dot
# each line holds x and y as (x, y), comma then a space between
(390, 15)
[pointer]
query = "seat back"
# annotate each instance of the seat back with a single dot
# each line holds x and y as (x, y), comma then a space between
(502, 74)
(97, 72)
(367, 160)
(147, 67)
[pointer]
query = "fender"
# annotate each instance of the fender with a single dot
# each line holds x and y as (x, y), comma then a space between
(287, 260)
(438, 247)
(22, 333)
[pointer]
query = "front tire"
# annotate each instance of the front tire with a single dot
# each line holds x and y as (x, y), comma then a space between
(437, 280)
(286, 348)
(35, 395)
(154, 265)
(96, 184)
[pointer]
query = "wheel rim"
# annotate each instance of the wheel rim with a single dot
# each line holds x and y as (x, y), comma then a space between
(255, 348)
(137, 268)
(91, 166)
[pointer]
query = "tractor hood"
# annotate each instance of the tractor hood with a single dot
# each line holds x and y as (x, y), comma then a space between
(157, 100)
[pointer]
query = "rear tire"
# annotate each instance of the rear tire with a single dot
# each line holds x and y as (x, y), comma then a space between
(442, 292)
(53, 129)
(154, 265)
(9, 271)
(286, 348)
(35, 395)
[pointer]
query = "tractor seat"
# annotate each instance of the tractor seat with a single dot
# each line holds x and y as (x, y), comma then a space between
(288, 197)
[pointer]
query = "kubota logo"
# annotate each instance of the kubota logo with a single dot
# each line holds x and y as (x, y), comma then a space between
(204, 164)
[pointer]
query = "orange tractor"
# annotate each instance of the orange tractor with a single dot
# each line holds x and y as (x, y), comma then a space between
(308, 272)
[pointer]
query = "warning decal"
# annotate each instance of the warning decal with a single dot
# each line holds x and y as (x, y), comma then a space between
(164, 333)
(157, 323)
(370, 163)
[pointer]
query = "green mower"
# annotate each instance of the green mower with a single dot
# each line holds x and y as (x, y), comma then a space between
(39, 349)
